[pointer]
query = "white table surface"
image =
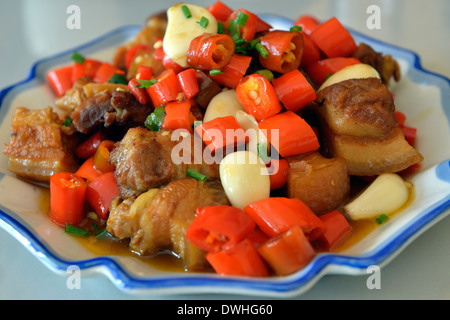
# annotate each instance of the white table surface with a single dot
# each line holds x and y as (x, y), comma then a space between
(34, 29)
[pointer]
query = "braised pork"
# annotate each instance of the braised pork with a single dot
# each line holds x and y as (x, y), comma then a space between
(143, 160)
(157, 219)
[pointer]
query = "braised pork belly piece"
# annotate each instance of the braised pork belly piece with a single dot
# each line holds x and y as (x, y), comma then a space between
(40, 145)
(358, 124)
(143, 160)
(157, 219)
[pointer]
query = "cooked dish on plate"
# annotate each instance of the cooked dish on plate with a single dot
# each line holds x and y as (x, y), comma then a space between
(216, 139)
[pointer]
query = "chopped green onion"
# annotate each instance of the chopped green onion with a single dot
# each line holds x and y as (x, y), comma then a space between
(203, 22)
(328, 75)
(241, 18)
(67, 121)
(155, 119)
(382, 219)
(234, 30)
(118, 78)
(196, 124)
(266, 73)
(146, 83)
(76, 231)
(262, 50)
(263, 152)
(94, 226)
(220, 28)
(295, 29)
(103, 234)
(186, 11)
(215, 72)
(196, 175)
(78, 58)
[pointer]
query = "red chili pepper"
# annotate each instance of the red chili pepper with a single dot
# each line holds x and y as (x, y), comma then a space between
(240, 260)
(210, 51)
(165, 89)
(105, 72)
(102, 155)
(247, 31)
(311, 52)
(217, 228)
(410, 134)
(221, 133)
(220, 11)
(334, 39)
(133, 51)
(144, 73)
(278, 173)
(86, 69)
(67, 195)
(308, 23)
(168, 63)
(276, 215)
(285, 50)
(88, 171)
(233, 71)
(187, 81)
(178, 116)
(287, 253)
(88, 147)
(101, 192)
(61, 80)
(140, 94)
(258, 96)
(401, 117)
(158, 52)
(320, 70)
(293, 90)
(337, 229)
(289, 134)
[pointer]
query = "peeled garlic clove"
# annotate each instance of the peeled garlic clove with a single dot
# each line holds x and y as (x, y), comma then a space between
(250, 126)
(386, 194)
(356, 71)
(181, 30)
(223, 104)
(244, 178)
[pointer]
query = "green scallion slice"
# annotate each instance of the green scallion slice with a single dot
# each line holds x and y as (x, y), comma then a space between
(295, 29)
(234, 30)
(76, 231)
(146, 83)
(196, 124)
(215, 72)
(263, 152)
(103, 234)
(262, 50)
(78, 58)
(266, 73)
(241, 19)
(67, 122)
(381, 219)
(186, 11)
(220, 28)
(118, 78)
(196, 175)
(155, 119)
(203, 21)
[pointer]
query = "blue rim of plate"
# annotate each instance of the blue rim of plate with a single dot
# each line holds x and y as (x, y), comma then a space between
(211, 283)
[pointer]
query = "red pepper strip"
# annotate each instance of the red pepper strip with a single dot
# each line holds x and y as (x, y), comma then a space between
(102, 155)
(220, 11)
(240, 260)
(337, 230)
(158, 52)
(105, 72)
(178, 116)
(144, 73)
(165, 89)
(67, 195)
(140, 94)
(401, 118)
(294, 91)
(210, 51)
(285, 50)
(261, 25)
(222, 133)
(101, 192)
(289, 134)
(85, 69)
(88, 147)
(247, 31)
(233, 71)
(168, 63)
(287, 253)
(61, 80)
(217, 228)
(187, 81)
(334, 39)
(278, 173)
(88, 171)
(258, 96)
(410, 134)
(308, 23)
(132, 52)
(257, 237)
(276, 215)
(311, 52)
(320, 70)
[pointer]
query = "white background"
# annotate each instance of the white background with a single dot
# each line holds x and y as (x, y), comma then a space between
(34, 29)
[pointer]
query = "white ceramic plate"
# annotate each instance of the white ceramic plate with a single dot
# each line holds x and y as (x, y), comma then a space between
(422, 95)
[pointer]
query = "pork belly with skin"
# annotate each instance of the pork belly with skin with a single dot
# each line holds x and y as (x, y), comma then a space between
(40, 145)
(157, 220)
